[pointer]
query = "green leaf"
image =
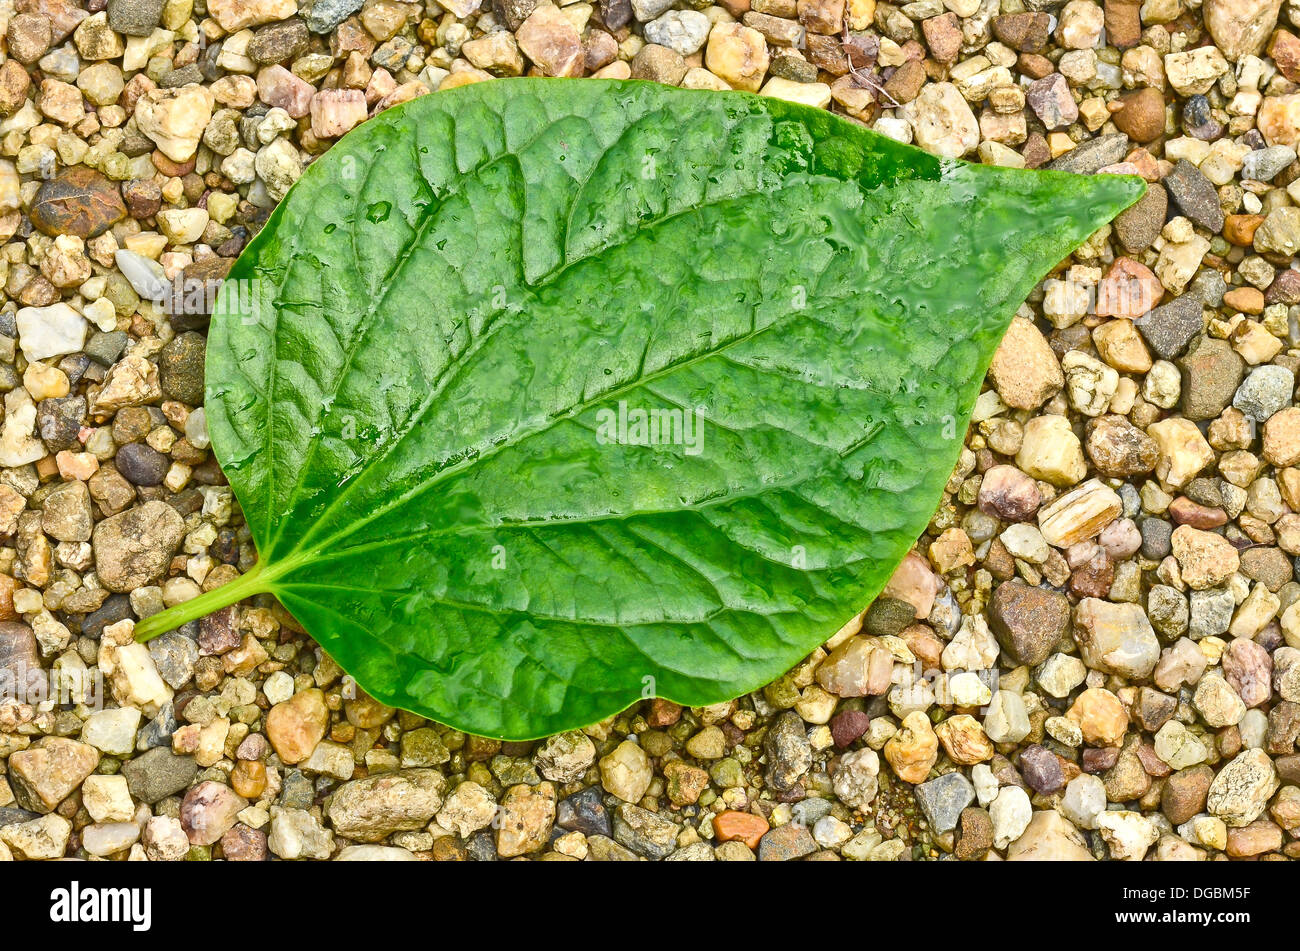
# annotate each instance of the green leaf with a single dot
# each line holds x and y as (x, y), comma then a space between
(412, 370)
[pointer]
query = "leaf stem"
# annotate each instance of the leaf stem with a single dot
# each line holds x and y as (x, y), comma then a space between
(254, 581)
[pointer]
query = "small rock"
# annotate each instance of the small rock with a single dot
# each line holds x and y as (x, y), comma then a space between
(1025, 371)
(789, 755)
(1241, 790)
(157, 774)
(295, 726)
(1049, 837)
(913, 750)
(942, 121)
(645, 832)
(1194, 195)
(1116, 638)
(738, 54)
(369, 809)
(1027, 620)
(208, 811)
(1142, 115)
(683, 31)
(527, 814)
(626, 771)
(785, 843)
(1128, 834)
(1267, 390)
(1240, 27)
(46, 773)
(77, 201)
(1205, 559)
(944, 799)
(175, 118)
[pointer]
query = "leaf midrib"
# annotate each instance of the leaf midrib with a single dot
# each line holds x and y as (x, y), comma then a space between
(306, 549)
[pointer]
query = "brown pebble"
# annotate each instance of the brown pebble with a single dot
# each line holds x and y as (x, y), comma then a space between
(1186, 512)
(1141, 115)
(1240, 229)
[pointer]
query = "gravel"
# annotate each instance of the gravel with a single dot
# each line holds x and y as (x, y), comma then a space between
(1091, 653)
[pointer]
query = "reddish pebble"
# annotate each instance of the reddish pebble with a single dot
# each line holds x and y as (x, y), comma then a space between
(848, 726)
(744, 826)
(663, 713)
(1186, 512)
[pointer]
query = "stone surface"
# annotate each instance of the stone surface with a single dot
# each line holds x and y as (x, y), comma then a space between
(1028, 621)
(367, 810)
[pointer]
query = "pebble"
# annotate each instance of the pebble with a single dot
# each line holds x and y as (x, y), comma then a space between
(295, 726)
(564, 758)
(164, 839)
(1266, 391)
(856, 779)
(208, 811)
(36, 839)
(1168, 329)
(1241, 789)
(648, 833)
(112, 731)
(1129, 835)
(47, 772)
(584, 812)
(1240, 27)
(1092, 155)
(1024, 370)
(1116, 638)
(525, 820)
(738, 54)
(1205, 559)
(1118, 448)
(52, 331)
(1052, 102)
(732, 825)
(1011, 813)
(626, 772)
(240, 843)
(914, 749)
(1007, 719)
(141, 465)
(1217, 703)
(942, 121)
(297, 834)
(157, 774)
(550, 40)
(374, 853)
(943, 800)
(134, 548)
(1142, 114)
(175, 118)
(77, 201)
(975, 834)
(1050, 451)
(107, 838)
(1138, 226)
(1264, 165)
(134, 17)
(325, 15)
(786, 843)
(1027, 620)
(789, 755)
(1194, 196)
(683, 31)
(368, 810)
